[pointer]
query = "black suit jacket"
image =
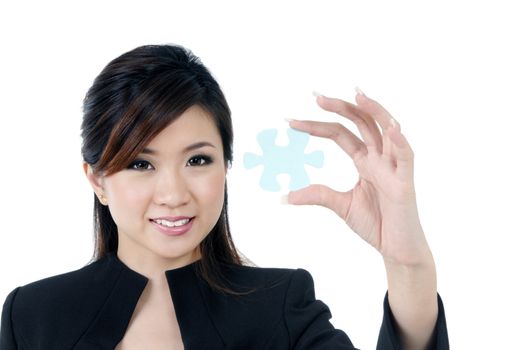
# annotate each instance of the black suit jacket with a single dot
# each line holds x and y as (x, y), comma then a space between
(90, 308)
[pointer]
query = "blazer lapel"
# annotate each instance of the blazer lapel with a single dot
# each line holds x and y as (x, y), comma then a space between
(109, 326)
(197, 327)
(111, 322)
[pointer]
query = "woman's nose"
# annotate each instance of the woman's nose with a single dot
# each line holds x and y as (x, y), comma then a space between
(171, 190)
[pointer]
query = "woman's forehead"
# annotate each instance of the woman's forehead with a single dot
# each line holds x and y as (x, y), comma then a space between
(193, 129)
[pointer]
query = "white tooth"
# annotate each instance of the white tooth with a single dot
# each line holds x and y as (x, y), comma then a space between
(181, 222)
(172, 223)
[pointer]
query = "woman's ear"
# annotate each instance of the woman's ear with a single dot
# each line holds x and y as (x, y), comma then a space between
(95, 181)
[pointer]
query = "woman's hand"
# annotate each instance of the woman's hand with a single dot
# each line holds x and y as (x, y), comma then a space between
(381, 208)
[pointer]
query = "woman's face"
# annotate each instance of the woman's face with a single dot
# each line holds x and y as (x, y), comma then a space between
(181, 173)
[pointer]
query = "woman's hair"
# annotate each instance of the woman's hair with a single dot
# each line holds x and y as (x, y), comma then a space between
(134, 98)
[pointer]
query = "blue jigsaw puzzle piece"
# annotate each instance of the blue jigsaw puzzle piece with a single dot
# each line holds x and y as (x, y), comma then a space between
(288, 159)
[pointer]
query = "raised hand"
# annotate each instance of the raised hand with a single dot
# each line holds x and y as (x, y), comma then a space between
(381, 208)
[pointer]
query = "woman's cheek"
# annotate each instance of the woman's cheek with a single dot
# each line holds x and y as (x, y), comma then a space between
(131, 196)
(140, 193)
(211, 189)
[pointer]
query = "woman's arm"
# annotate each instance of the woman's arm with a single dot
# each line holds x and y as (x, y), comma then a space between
(382, 209)
(412, 295)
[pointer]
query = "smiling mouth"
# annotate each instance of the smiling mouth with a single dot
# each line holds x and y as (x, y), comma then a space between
(172, 224)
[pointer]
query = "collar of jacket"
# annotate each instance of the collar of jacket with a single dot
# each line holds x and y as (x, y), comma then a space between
(197, 329)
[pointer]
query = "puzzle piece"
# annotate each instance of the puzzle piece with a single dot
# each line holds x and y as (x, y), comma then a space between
(283, 160)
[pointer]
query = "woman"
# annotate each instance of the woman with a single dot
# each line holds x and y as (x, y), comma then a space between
(157, 143)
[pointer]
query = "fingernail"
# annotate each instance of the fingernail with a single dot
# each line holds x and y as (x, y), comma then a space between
(393, 122)
(284, 199)
(288, 119)
(359, 91)
(316, 93)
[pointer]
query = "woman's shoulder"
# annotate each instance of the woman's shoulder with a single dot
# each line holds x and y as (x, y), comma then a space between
(273, 302)
(74, 278)
(268, 279)
(69, 287)
(75, 295)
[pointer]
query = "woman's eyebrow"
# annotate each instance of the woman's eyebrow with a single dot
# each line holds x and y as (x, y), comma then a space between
(191, 147)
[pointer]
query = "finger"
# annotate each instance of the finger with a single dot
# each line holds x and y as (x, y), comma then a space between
(387, 152)
(342, 136)
(403, 155)
(320, 195)
(367, 127)
(378, 112)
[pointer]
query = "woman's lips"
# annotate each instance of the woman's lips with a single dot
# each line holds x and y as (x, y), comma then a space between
(173, 231)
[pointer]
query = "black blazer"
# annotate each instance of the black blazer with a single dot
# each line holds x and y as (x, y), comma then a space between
(90, 308)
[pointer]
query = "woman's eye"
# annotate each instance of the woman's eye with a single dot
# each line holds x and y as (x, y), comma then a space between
(140, 165)
(200, 160)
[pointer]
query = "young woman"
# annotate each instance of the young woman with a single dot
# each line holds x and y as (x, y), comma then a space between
(157, 144)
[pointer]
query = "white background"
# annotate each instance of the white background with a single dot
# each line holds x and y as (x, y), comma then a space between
(452, 73)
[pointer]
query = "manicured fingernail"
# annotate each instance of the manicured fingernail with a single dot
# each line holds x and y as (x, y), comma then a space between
(359, 91)
(316, 93)
(284, 199)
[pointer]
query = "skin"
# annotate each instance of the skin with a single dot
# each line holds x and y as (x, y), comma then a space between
(381, 208)
(171, 182)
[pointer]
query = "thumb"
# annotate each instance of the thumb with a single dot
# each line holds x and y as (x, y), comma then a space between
(319, 195)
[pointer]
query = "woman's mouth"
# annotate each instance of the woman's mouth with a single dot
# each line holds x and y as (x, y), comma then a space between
(173, 227)
(169, 223)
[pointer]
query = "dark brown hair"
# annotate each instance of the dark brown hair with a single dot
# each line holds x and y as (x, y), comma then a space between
(133, 99)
